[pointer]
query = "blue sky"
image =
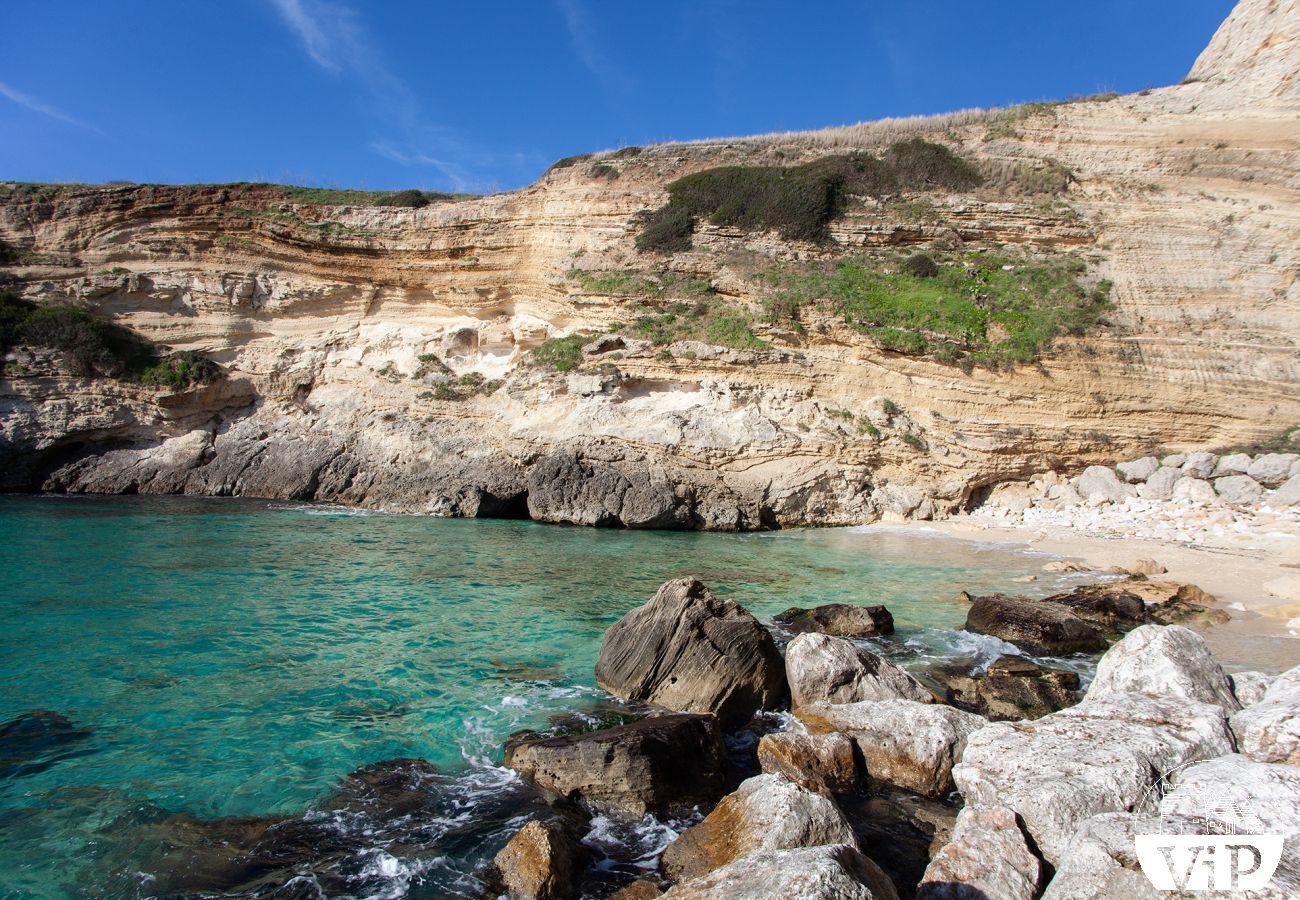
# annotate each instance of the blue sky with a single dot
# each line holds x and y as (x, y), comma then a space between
(483, 96)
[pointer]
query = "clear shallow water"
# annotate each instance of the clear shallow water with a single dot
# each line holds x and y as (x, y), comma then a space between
(233, 658)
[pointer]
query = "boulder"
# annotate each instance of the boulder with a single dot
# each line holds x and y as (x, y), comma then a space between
(767, 812)
(1269, 730)
(1103, 755)
(1249, 687)
(1100, 483)
(1014, 688)
(1174, 460)
(1200, 464)
(1106, 604)
(1166, 661)
(1194, 490)
(839, 619)
(819, 668)
(838, 872)
(1160, 486)
(987, 857)
(1139, 469)
(565, 489)
(1232, 464)
(1037, 626)
(541, 862)
(1239, 795)
(904, 743)
(1287, 494)
(641, 889)
(690, 651)
(1182, 612)
(1145, 566)
(1239, 490)
(1271, 469)
(1101, 862)
(824, 763)
(665, 764)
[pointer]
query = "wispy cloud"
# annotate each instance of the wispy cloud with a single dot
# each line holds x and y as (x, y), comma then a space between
(30, 102)
(336, 38)
(587, 47)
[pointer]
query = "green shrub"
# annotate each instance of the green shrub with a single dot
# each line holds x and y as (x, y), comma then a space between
(180, 370)
(920, 164)
(625, 152)
(799, 201)
(603, 170)
(89, 346)
(994, 310)
(918, 265)
(411, 198)
(568, 161)
(8, 255)
(563, 354)
(891, 408)
(666, 230)
(865, 427)
(913, 440)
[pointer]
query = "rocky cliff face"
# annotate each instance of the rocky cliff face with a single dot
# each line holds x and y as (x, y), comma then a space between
(339, 328)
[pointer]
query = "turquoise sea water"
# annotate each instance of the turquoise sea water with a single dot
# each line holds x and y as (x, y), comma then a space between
(232, 658)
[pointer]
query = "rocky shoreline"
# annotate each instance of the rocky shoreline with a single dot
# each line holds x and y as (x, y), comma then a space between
(739, 760)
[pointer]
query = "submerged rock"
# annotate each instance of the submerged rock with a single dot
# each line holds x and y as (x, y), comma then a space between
(819, 668)
(1014, 687)
(665, 764)
(1166, 662)
(819, 762)
(767, 812)
(1106, 604)
(37, 740)
(987, 857)
(541, 862)
(691, 651)
(839, 619)
(904, 743)
(1038, 626)
(837, 872)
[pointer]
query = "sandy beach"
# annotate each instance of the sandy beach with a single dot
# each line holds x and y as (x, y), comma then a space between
(1255, 576)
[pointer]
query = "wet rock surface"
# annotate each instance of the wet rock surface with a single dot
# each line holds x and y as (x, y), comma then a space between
(987, 856)
(540, 862)
(1037, 626)
(838, 619)
(1012, 688)
(37, 740)
(665, 764)
(691, 651)
(825, 763)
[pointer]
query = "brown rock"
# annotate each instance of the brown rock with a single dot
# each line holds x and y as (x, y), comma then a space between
(824, 763)
(838, 619)
(540, 862)
(1038, 626)
(767, 812)
(1104, 604)
(644, 889)
(690, 651)
(1183, 612)
(664, 764)
(1014, 688)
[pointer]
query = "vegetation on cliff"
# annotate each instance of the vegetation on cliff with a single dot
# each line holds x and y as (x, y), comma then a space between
(972, 309)
(92, 347)
(799, 201)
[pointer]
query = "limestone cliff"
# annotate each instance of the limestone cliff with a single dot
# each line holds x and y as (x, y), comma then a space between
(338, 326)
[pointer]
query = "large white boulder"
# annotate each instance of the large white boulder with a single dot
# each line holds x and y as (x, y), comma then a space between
(820, 667)
(1250, 687)
(1101, 484)
(1165, 661)
(1100, 756)
(1232, 464)
(1194, 490)
(1200, 464)
(837, 872)
(767, 812)
(1287, 494)
(1271, 469)
(1101, 863)
(1160, 486)
(1239, 490)
(987, 856)
(1269, 731)
(908, 744)
(1138, 469)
